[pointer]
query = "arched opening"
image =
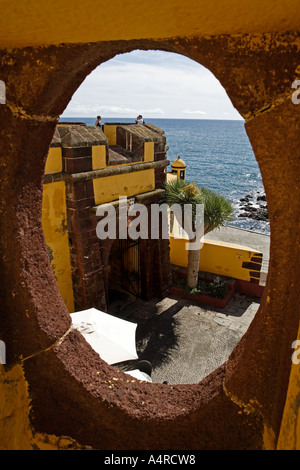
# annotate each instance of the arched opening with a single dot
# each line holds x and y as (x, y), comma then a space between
(219, 156)
(187, 91)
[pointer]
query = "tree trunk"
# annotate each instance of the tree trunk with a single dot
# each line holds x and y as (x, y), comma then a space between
(193, 268)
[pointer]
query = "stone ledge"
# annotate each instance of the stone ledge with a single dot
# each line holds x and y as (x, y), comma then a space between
(104, 172)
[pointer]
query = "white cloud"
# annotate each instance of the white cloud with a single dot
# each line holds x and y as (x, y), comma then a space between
(154, 84)
(79, 109)
(128, 111)
(189, 111)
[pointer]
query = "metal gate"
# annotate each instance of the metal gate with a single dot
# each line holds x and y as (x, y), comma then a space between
(125, 265)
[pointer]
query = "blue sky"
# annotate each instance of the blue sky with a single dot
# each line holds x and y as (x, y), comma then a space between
(152, 83)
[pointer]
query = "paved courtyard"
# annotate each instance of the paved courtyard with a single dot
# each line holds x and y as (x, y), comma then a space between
(183, 341)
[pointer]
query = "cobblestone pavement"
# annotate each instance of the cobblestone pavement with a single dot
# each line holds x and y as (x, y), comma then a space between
(184, 341)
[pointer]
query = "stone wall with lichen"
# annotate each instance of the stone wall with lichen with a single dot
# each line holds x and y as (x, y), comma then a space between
(241, 404)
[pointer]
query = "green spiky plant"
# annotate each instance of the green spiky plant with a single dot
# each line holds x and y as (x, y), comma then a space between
(217, 211)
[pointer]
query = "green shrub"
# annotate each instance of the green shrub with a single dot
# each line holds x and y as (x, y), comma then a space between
(216, 288)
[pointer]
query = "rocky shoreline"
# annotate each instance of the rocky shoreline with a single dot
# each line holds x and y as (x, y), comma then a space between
(254, 206)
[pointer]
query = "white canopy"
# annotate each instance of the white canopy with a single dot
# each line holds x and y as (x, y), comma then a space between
(111, 337)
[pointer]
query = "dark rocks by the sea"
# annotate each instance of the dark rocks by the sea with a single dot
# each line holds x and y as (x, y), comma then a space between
(254, 207)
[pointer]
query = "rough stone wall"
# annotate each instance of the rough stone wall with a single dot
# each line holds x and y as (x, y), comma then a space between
(86, 262)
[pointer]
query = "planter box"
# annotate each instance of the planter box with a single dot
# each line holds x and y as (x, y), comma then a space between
(249, 288)
(206, 299)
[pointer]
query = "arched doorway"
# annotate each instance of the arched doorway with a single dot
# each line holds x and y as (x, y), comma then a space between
(124, 269)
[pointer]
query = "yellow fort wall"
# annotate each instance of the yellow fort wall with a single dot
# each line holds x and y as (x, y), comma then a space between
(109, 188)
(54, 161)
(106, 189)
(111, 133)
(98, 157)
(148, 151)
(54, 220)
(290, 427)
(16, 432)
(225, 259)
(46, 21)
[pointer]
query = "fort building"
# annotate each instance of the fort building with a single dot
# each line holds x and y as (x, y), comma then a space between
(86, 168)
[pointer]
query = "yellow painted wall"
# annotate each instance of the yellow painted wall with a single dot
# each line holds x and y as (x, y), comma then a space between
(106, 189)
(14, 402)
(128, 184)
(216, 257)
(289, 437)
(54, 220)
(15, 428)
(17, 433)
(177, 174)
(98, 156)
(56, 22)
(54, 161)
(148, 151)
(111, 133)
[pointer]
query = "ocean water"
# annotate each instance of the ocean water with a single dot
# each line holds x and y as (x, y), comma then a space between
(218, 155)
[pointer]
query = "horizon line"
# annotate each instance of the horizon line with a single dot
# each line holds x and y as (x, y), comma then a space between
(152, 117)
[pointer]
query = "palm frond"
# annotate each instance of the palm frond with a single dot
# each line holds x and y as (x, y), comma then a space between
(217, 209)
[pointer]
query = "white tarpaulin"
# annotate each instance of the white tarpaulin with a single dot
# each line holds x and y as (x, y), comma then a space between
(111, 337)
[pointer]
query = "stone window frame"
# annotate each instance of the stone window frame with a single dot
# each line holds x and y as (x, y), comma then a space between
(242, 401)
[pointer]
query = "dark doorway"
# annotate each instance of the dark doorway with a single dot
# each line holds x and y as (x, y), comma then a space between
(125, 269)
